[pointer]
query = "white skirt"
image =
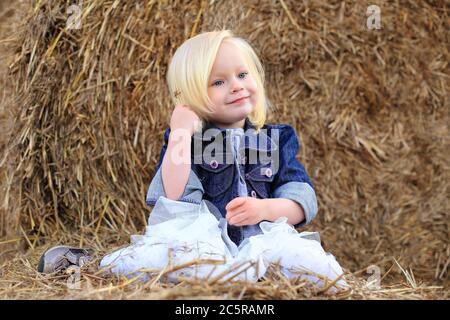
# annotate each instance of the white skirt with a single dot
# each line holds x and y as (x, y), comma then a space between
(179, 233)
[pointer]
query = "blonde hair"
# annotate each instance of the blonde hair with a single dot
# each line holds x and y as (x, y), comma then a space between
(191, 65)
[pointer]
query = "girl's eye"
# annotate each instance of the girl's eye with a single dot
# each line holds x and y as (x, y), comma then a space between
(217, 83)
(242, 75)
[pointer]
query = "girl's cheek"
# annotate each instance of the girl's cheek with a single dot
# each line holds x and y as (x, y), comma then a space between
(251, 85)
(254, 100)
(213, 94)
(218, 94)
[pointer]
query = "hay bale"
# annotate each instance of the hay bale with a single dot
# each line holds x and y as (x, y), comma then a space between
(370, 108)
(12, 16)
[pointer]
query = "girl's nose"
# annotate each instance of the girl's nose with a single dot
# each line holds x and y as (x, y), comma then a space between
(236, 87)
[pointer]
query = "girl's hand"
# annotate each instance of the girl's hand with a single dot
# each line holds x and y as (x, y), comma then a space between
(243, 211)
(184, 118)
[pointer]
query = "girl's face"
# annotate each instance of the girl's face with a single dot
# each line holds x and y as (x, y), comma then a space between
(231, 88)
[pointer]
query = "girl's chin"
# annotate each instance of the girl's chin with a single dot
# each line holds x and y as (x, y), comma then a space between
(242, 112)
(244, 106)
(235, 113)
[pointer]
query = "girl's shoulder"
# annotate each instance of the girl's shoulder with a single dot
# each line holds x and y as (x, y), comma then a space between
(283, 129)
(281, 126)
(284, 133)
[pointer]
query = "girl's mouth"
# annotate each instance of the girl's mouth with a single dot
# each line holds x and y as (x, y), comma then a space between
(239, 101)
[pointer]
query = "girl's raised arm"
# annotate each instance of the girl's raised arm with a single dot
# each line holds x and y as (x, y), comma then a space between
(176, 165)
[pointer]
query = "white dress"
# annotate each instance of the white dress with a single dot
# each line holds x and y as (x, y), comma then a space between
(180, 232)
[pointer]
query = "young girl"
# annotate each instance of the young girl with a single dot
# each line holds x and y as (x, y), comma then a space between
(228, 189)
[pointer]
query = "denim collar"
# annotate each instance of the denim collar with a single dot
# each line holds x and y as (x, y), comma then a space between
(252, 140)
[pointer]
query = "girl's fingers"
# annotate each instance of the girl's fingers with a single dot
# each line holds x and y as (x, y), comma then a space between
(231, 213)
(242, 223)
(236, 202)
(239, 218)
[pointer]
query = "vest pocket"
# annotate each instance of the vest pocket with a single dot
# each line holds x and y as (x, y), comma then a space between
(216, 178)
(260, 178)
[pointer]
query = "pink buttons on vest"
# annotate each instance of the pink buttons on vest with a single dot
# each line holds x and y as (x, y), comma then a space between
(214, 164)
(253, 193)
(268, 172)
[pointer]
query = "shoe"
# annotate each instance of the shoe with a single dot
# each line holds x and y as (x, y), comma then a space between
(62, 257)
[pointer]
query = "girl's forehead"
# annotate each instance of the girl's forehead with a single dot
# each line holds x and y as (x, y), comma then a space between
(228, 57)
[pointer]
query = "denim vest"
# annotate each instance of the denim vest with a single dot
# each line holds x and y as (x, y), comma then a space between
(229, 163)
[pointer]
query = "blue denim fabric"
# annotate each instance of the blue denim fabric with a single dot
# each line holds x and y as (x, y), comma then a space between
(266, 160)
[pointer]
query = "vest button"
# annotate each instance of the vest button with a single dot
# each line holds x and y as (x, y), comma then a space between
(253, 193)
(214, 164)
(268, 172)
